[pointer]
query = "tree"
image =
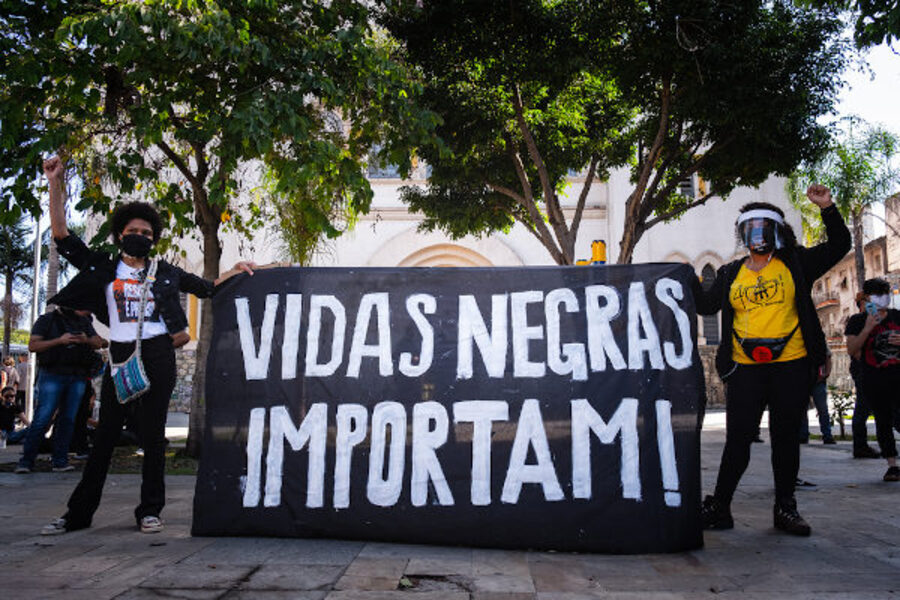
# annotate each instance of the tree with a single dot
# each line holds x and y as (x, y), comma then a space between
(734, 99)
(523, 103)
(876, 21)
(174, 101)
(16, 257)
(858, 169)
(298, 231)
(529, 91)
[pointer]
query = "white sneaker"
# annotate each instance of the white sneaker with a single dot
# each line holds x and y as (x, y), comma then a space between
(150, 524)
(55, 527)
(63, 469)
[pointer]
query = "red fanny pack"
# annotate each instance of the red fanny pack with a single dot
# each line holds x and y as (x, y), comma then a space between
(763, 350)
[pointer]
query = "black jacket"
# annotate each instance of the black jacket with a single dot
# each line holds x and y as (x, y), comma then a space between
(71, 359)
(806, 265)
(87, 290)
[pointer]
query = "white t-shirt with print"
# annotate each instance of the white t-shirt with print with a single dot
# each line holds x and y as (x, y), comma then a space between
(123, 301)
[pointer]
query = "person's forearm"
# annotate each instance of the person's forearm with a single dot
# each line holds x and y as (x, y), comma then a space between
(225, 276)
(42, 345)
(836, 232)
(96, 342)
(855, 342)
(240, 267)
(180, 339)
(58, 224)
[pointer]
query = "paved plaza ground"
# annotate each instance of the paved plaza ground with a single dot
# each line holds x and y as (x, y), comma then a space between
(853, 552)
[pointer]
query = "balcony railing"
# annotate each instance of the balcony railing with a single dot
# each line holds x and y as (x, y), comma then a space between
(825, 299)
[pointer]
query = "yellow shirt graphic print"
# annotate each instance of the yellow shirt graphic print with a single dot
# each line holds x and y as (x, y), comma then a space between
(764, 307)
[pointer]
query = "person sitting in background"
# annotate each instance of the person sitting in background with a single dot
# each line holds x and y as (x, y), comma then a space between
(874, 337)
(9, 412)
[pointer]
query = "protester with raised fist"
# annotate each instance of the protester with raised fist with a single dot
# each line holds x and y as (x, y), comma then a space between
(772, 347)
(111, 287)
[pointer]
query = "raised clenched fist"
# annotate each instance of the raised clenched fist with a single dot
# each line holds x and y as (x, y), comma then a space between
(819, 195)
(53, 169)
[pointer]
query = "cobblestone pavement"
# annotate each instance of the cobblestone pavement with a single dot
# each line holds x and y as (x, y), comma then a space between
(852, 553)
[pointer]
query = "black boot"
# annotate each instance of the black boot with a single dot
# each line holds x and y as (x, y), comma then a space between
(788, 519)
(716, 515)
(866, 452)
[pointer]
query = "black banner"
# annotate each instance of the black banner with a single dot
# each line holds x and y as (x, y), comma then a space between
(542, 407)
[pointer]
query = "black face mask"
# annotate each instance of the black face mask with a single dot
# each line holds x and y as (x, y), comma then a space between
(136, 245)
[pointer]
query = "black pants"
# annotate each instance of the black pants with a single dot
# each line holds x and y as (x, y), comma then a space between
(881, 389)
(861, 412)
(784, 388)
(79, 443)
(152, 408)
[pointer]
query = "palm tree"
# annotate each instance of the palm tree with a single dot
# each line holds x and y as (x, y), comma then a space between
(15, 269)
(859, 172)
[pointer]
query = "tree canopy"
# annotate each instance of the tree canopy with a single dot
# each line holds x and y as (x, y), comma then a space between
(875, 21)
(530, 92)
(184, 102)
(523, 103)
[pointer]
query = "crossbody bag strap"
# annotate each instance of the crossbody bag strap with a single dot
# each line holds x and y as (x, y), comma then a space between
(145, 291)
(742, 340)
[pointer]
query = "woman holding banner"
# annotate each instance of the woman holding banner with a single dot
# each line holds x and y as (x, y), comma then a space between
(772, 345)
(123, 293)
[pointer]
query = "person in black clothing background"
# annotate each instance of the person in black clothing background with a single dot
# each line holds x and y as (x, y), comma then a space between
(771, 347)
(861, 408)
(64, 341)
(874, 338)
(109, 286)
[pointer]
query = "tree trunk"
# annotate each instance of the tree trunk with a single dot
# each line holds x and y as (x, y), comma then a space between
(859, 250)
(212, 253)
(630, 237)
(7, 313)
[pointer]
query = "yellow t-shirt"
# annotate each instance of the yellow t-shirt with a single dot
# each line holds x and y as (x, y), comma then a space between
(764, 307)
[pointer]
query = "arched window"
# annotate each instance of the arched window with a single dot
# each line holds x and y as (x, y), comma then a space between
(710, 322)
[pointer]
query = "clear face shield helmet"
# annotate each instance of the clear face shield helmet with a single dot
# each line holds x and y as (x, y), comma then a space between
(761, 230)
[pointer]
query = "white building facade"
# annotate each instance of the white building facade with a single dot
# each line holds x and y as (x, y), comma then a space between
(389, 236)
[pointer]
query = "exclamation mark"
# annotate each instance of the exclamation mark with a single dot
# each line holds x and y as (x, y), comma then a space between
(254, 456)
(666, 443)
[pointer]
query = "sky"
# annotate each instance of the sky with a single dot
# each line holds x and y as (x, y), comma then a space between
(875, 95)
